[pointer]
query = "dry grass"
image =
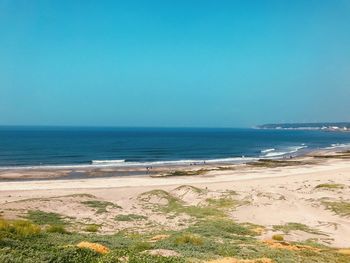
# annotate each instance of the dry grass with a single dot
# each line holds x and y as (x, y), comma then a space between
(285, 245)
(344, 251)
(189, 239)
(341, 208)
(330, 186)
(278, 237)
(20, 227)
(94, 246)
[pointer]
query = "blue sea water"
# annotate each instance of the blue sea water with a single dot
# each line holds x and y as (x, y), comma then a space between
(67, 146)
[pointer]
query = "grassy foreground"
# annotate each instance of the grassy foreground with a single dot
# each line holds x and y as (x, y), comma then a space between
(211, 237)
(22, 241)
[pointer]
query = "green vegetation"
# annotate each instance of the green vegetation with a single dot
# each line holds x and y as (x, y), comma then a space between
(278, 237)
(56, 229)
(92, 228)
(205, 240)
(215, 207)
(211, 235)
(129, 217)
(190, 188)
(187, 238)
(330, 186)
(18, 228)
(222, 202)
(45, 218)
(100, 206)
(341, 208)
(296, 226)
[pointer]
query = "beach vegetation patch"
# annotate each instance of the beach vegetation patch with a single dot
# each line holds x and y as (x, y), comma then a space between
(100, 206)
(330, 186)
(56, 229)
(93, 228)
(94, 246)
(20, 228)
(341, 208)
(206, 240)
(167, 203)
(287, 228)
(45, 218)
(187, 188)
(278, 237)
(130, 217)
(224, 228)
(161, 200)
(223, 203)
(188, 238)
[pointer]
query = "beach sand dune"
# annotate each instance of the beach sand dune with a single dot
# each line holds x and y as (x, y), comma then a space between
(300, 202)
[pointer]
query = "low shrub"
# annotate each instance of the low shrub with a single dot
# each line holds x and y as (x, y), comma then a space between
(45, 218)
(92, 228)
(188, 238)
(20, 228)
(278, 237)
(56, 229)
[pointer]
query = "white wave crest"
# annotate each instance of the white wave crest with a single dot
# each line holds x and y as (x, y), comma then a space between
(282, 152)
(107, 161)
(268, 150)
(338, 145)
(123, 163)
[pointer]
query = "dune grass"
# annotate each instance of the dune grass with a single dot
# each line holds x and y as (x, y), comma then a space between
(45, 218)
(93, 228)
(57, 229)
(100, 206)
(224, 202)
(190, 188)
(278, 237)
(214, 208)
(287, 228)
(188, 238)
(330, 186)
(341, 208)
(130, 217)
(20, 228)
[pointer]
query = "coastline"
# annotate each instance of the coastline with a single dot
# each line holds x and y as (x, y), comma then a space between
(305, 166)
(267, 195)
(170, 169)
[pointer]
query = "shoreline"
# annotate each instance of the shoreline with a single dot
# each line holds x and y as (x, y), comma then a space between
(66, 172)
(315, 162)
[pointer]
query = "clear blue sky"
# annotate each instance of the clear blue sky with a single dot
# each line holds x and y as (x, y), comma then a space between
(174, 63)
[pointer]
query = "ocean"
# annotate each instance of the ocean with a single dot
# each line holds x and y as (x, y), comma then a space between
(33, 147)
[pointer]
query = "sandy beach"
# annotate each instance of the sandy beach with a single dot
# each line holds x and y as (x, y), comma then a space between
(307, 191)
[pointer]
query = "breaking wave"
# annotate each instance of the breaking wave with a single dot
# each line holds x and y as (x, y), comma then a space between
(282, 152)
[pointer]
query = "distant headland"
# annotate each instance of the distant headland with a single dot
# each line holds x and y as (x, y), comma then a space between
(326, 126)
